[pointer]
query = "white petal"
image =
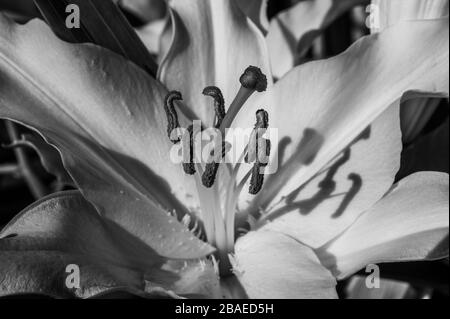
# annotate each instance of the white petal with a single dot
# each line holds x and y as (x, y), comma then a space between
(352, 183)
(272, 265)
(64, 229)
(321, 107)
(409, 223)
(106, 118)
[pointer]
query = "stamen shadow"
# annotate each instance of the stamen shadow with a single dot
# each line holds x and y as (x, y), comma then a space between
(327, 186)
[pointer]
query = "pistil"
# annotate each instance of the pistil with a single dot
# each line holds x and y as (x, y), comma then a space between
(252, 80)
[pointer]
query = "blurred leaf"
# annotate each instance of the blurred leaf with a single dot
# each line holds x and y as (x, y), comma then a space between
(389, 289)
(146, 10)
(20, 7)
(293, 31)
(414, 116)
(429, 153)
(102, 23)
(420, 274)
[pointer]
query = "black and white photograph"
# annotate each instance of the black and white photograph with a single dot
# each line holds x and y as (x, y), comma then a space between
(194, 150)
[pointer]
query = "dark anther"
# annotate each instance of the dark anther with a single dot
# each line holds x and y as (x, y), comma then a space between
(257, 180)
(263, 152)
(258, 151)
(188, 163)
(262, 123)
(219, 103)
(171, 113)
(254, 79)
(209, 176)
(262, 119)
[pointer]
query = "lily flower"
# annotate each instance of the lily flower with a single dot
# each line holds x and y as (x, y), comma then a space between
(140, 224)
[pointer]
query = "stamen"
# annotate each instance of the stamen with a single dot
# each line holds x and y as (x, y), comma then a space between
(186, 220)
(257, 180)
(258, 152)
(172, 117)
(262, 123)
(251, 80)
(188, 163)
(209, 175)
(219, 103)
(263, 152)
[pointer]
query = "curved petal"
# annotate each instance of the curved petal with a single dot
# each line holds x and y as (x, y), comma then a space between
(64, 229)
(409, 223)
(106, 118)
(293, 31)
(214, 42)
(50, 158)
(271, 265)
(321, 107)
(154, 14)
(256, 10)
(44, 273)
(350, 184)
(415, 113)
(151, 35)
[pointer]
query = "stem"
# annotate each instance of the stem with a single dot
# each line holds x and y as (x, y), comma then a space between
(37, 188)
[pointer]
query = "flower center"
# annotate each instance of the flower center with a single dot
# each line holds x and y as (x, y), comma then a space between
(218, 200)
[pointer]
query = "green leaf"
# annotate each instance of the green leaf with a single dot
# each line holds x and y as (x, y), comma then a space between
(102, 23)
